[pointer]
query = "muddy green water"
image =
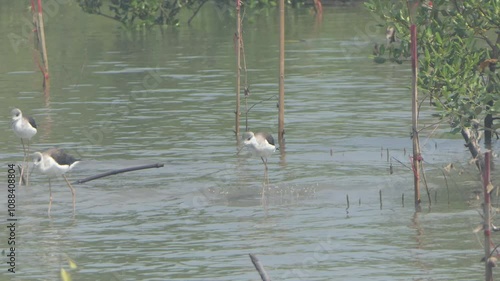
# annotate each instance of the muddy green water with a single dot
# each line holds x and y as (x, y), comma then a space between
(120, 99)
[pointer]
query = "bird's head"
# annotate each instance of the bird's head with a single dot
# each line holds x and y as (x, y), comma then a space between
(16, 114)
(37, 158)
(249, 138)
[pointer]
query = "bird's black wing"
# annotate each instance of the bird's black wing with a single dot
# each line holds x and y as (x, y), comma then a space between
(269, 138)
(32, 121)
(61, 157)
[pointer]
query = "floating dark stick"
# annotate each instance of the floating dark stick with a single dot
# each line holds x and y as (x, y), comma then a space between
(347, 208)
(114, 172)
(259, 267)
(380, 198)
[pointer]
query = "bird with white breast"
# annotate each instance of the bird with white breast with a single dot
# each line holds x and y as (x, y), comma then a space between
(25, 128)
(55, 162)
(260, 144)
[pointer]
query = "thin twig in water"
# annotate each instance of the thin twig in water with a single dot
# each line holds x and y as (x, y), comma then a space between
(427, 139)
(259, 267)
(261, 101)
(401, 163)
(420, 105)
(433, 124)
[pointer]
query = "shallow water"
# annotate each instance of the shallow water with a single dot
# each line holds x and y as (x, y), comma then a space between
(121, 99)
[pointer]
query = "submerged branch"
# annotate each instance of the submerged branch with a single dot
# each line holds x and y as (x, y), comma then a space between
(114, 172)
(260, 268)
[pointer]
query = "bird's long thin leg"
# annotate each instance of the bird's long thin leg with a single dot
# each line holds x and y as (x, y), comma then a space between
(27, 165)
(50, 198)
(24, 162)
(264, 187)
(24, 149)
(264, 161)
(72, 193)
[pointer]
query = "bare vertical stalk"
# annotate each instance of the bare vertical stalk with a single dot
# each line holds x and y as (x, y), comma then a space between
(414, 106)
(247, 94)
(246, 89)
(487, 218)
(238, 68)
(281, 116)
(42, 38)
(40, 41)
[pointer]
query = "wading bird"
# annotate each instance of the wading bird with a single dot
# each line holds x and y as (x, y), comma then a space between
(25, 128)
(260, 144)
(55, 162)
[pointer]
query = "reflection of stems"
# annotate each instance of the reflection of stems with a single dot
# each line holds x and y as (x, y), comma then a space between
(425, 182)
(419, 232)
(447, 187)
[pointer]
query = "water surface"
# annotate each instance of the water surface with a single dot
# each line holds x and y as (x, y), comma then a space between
(121, 99)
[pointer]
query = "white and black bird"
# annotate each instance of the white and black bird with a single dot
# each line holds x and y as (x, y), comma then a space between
(260, 144)
(55, 162)
(24, 127)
